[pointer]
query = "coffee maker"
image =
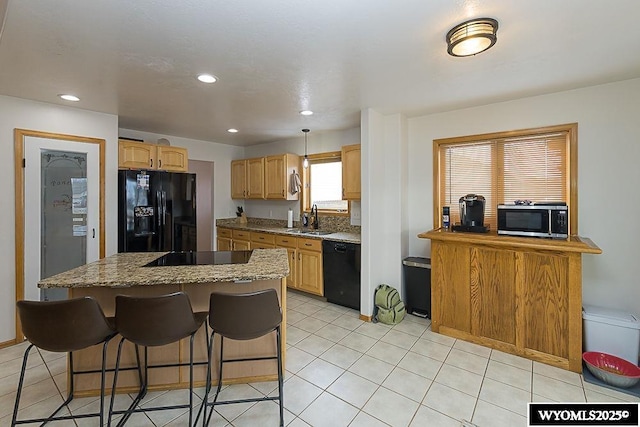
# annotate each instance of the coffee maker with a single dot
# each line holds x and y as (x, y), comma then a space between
(471, 214)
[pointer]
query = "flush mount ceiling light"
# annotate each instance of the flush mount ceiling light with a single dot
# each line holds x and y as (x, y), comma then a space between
(305, 164)
(306, 112)
(232, 130)
(472, 37)
(68, 97)
(207, 78)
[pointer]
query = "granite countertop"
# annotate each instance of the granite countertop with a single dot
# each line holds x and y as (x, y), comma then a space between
(337, 236)
(126, 269)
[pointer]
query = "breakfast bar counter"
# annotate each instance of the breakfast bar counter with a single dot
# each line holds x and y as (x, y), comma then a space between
(127, 274)
(520, 295)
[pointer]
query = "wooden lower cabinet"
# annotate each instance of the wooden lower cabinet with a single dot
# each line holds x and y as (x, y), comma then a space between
(291, 244)
(305, 255)
(241, 240)
(262, 240)
(309, 268)
(223, 240)
(516, 295)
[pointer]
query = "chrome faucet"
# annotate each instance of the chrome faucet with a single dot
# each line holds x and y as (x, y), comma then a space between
(314, 208)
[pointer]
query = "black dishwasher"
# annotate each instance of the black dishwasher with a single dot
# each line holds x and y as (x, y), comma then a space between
(341, 271)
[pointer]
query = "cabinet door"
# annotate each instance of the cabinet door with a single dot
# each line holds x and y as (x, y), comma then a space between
(551, 306)
(241, 245)
(310, 272)
(224, 244)
(493, 294)
(238, 179)
(275, 178)
(173, 159)
(450, 287)
(136, 155)
(350, 172)
(292, 278)
(255, 178)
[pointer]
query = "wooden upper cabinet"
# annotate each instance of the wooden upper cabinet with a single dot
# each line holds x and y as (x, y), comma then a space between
(173, 159)
(136, 155)
(238, 179)
(351, 172)
(255, 178)
(141, 155)
(278, 170)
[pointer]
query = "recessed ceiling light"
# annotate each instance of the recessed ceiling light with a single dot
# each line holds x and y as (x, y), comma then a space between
(68, 97)
(207, 78)
(232, 130)
(306, 112)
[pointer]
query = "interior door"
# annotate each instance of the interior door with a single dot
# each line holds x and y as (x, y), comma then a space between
(61, 210)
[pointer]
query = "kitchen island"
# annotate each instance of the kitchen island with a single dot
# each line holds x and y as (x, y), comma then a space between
(126, 274)
(520, 295)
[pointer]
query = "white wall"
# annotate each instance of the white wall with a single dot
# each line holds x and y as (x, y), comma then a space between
(320, 142)
(608, 175)
(38, 116)
(384, 196)
(220, 154)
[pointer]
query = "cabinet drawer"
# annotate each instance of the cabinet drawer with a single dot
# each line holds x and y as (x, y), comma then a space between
(263, 238)
(286, 241)
(241, 235)
(310, 244)
(224, 232)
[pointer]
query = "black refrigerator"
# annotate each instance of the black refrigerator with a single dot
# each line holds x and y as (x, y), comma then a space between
(156, 211)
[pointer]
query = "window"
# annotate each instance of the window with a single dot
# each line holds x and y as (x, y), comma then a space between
(322, 183)
(534, 164)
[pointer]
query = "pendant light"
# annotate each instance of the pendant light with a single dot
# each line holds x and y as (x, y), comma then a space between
(305, 164)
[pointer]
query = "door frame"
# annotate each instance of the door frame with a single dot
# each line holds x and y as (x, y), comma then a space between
(19, 141)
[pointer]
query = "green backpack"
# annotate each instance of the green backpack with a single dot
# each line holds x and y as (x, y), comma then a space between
(389, 307)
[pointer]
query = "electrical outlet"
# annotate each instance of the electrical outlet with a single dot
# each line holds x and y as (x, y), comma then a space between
(355, 214)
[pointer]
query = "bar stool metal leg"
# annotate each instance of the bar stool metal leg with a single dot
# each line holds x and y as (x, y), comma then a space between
(70, 394)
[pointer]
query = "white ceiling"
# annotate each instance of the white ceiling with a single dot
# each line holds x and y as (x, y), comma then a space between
(139, 59)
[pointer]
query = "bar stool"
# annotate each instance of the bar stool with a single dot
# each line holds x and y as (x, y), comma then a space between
(64, 327)
(243, 317)
(150, 322)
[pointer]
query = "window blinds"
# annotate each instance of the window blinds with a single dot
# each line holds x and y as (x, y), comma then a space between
(531, 167)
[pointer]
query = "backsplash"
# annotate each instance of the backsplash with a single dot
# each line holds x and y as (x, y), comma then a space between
(330, 223)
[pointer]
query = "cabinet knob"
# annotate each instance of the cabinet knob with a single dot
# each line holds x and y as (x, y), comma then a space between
(159, 163)
(151, 163)
(343, 191)
(282, 193)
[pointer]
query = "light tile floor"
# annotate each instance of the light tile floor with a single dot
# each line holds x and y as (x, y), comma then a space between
(341, 371)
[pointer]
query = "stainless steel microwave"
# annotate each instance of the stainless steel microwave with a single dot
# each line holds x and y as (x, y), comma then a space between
(534, 220)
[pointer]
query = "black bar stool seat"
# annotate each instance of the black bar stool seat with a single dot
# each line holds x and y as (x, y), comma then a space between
(64, 327)
(243, 316)
(151, 322)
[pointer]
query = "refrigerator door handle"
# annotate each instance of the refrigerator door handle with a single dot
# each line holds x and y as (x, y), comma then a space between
(164, 207)
(159, 208)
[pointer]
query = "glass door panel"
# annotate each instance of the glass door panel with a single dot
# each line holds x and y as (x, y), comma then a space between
(63, 221)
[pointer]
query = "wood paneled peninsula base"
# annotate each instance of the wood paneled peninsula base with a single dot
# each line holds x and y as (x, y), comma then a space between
(124, 274)
(519, 295)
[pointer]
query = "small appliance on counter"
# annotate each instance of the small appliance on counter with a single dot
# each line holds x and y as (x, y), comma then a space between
(543, 219)
(471, 214)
